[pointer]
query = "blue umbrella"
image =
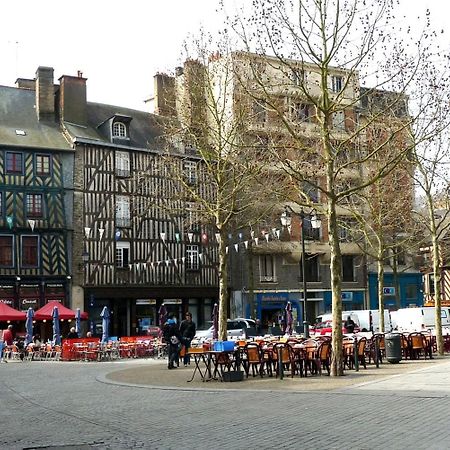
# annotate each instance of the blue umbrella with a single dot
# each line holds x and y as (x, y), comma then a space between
(78, 321)
(56, 332)
(29, 326)
(105, 324)
(215, 320)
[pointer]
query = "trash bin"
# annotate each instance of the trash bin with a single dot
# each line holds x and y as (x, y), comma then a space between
(392, 343)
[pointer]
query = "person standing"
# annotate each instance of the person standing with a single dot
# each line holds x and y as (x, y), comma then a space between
(187, 331)
(72, 334)
(8, 336)
(172, 337)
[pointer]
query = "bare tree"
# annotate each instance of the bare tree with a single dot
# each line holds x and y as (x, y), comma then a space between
(325, 50)
(208, 126)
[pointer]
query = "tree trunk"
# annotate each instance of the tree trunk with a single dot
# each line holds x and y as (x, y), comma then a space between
(337, 367)
(437, 293)
(223, 287)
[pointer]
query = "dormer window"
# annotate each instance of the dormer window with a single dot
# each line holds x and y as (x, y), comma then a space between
(119, 130)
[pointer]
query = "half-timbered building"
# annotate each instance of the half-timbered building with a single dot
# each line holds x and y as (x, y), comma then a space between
(36, 164)
(136, 244)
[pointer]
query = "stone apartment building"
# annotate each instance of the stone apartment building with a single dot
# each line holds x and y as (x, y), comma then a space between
(266, 265)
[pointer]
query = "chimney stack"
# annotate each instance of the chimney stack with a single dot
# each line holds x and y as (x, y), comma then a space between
(45, 93)
(164, 95)
(72, 99)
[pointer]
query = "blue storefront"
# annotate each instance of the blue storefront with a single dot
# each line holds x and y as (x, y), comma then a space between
(410, 285)
(351, 300)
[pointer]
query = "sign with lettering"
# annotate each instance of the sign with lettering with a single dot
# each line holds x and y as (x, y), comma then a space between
(25, 303)
(173, 301)
(347, 296)
(7, 301)
(389, 291)
(146, 301)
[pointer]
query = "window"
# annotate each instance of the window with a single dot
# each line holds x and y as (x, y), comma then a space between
(337, 83)
(267, 269)
(308, 231)
(14, 162)
(6, 251)
(259, 111)
(399, 253)
(302, 112)
(298, 77)
(348, 273)
(311, 268)
(42, 165)
(190, 171)
(411, 292)
(30, 254)
(119, 130)
(122, 164)
(192, 257)
(123, 211)
(34, 205)
(311, 191)
(339, 120)
(122, 254)
(192, 221)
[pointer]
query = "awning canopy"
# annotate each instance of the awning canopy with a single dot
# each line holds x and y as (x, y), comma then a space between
(46, 312)
(8, 313)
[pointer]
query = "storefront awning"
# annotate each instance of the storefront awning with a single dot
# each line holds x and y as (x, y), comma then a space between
(45, 313)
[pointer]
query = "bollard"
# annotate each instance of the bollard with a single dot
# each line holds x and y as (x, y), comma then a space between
(280, 362)
(355, 353)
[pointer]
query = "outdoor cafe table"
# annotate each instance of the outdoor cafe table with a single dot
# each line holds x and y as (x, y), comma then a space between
(207, 363)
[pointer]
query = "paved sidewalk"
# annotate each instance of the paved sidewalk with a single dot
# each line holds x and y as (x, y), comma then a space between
(154, 374)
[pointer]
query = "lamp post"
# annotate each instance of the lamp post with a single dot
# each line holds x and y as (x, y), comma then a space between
(286, 220)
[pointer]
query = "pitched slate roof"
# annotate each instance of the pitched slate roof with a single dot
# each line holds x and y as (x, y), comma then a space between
(18, 112)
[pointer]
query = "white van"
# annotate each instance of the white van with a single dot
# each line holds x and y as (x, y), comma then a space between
(419, 319)
(366, 319)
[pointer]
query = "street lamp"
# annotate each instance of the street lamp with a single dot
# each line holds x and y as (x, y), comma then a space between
(286, 220)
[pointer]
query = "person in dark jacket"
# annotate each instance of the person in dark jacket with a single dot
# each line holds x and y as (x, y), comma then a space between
(187, 330)
(349, 325)
(172, 337)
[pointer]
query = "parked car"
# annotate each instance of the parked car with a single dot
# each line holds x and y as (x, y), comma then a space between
(325, 328)
(235, 328)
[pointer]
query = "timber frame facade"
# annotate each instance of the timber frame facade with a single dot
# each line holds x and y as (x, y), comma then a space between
(35, 197)
(90, 213)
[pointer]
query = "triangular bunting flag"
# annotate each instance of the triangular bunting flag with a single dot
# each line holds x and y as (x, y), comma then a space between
(240, 235)
(144, 265)
(9, 221)
(87, 232)
(200, 256)
(236, 247)
(183, 259)
(256, 241)
(138, 266)
(177, 237)
(267, 237)
(32, 223)
(190, 236)
(246, 244)
(163, 236)
(289, 228)
(101, 231)
(252, 234)
(277, 234)
(167, 262)
(226, 249)
(218, 237)
(130, 266)
(274, 231)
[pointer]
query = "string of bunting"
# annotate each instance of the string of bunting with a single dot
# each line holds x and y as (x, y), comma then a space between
(267, 236)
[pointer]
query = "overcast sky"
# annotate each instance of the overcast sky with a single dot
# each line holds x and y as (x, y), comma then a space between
(118, 45)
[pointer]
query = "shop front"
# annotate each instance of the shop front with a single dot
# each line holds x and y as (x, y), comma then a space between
(7, 295)
(30, 296)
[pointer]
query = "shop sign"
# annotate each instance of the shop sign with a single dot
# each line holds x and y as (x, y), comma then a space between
(273, 297)
(25, 303)
(60, 300)
(146, 301)
(389, 291)
(7, 301)
(347, 296)
(173, 301)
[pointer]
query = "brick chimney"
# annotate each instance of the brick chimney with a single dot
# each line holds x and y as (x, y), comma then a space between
(164, 95)
(45, 93)
(72, 99)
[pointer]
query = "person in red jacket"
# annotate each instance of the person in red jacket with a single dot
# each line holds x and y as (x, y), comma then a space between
(8, 336)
